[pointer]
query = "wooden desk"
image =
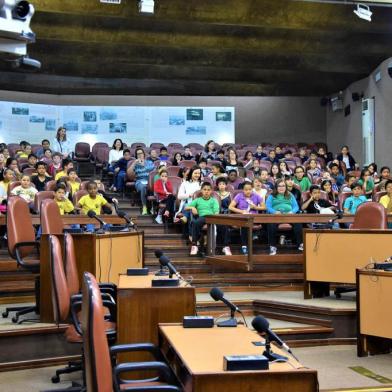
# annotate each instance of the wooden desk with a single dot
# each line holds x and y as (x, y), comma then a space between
(140, 308)
(196, 357)
(332, 256)
(106, 256)
(75, 219)
(245, 263)
(373, 310)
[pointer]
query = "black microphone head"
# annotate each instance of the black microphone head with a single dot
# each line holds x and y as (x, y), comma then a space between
(216, 294)
(121, 214)
(164, 260)
(158, 253)
(91, 214)
(260, 324)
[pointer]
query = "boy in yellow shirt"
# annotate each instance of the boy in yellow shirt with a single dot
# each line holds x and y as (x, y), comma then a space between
(93, 201)
(74, 185)
(65, 205)
(65, 165)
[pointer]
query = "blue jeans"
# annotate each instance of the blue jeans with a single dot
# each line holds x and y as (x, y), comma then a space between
(142, 189)
(119, 180)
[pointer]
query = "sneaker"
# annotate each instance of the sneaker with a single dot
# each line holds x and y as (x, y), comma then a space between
(301, 247)
(273, 250)
(226, 251)
(144, 211)
(159, 220)
(244, 250)
(194, 250)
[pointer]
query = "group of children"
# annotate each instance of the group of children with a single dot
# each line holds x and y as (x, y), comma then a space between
(272, 181)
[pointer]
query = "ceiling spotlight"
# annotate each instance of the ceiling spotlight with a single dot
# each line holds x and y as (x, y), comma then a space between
(146, 6)
(363, 12)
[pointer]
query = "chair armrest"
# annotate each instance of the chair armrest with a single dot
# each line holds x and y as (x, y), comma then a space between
(133, 347)
(76, 307)
(19, 245)
(160, 367)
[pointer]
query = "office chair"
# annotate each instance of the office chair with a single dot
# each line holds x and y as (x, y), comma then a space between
(51, 222)
(370, 215)
(67, 306)
(21, 245)
(100, 377)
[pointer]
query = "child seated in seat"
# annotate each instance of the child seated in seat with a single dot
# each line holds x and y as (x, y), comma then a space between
(350, 179)
(200, 208)
(353, 202)
(73, 184)
(246, 202)
(93, 201)
(216, 172)
(386, 200)
(223, 232)
(56, 164)
(315, 205)
(301, 180)
(8, 177)
(163, 190)
(65, 205)
(367, 183)
(25, 190)
(66, 165)
(205, 171)
(259, 189)
(41, 178)
(313, 169)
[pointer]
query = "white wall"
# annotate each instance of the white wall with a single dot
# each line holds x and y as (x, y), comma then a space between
(257, 119)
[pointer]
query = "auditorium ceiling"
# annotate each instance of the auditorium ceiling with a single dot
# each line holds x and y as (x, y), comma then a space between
(201, 47)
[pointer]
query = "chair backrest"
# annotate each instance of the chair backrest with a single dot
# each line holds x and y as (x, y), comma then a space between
(378, 195)
(51, 222)
(138, 144)
(98, 368)
(71, 267)
(51, 185)
(370, 215)
(97, 146)
(156, 146)
(102, 154)
(173, 170)
(342, 197)
(78, 195)
(12, 148)
(175, 145)
(60, 292)
(188, 164)
(12, 186)
(19, 226)
(29, 171)
(40, 197)
(82, 150)
(176, 183)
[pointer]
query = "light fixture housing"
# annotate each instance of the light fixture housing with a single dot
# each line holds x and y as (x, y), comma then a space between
(363, 12)
(146, 6)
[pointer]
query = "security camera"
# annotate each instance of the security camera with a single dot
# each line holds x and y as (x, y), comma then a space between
(26, 63)
(363, 12)
(390, 69)
(15, 31)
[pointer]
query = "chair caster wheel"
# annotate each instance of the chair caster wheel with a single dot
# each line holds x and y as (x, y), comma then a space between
(5, 314)
(55, 379)
(15, 319)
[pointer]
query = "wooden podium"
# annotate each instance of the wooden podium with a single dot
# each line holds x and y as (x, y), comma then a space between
(196, 357)
(373, 310)
(332, 256)
(106, 256)
(140, 308)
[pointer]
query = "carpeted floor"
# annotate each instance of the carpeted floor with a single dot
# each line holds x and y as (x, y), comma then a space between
(332, 363)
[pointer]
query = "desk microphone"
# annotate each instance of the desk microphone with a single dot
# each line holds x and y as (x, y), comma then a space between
(165, 262)
(261, 325)
(158, 253)
(339, 215)
(123, 214)
(218, 295)
(91, 214)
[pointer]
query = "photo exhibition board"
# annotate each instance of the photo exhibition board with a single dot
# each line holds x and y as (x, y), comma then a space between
(181, 124)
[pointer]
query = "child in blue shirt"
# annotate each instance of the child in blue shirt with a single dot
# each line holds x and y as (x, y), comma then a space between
(353, 202)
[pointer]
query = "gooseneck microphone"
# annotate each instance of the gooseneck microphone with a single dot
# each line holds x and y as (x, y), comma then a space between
(261, 325)
(165, 262)
(218, 295)
(91, 214)
(123, 214)
(158, 253)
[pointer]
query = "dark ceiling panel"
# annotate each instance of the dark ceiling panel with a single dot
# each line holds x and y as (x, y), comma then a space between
(202, 47)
